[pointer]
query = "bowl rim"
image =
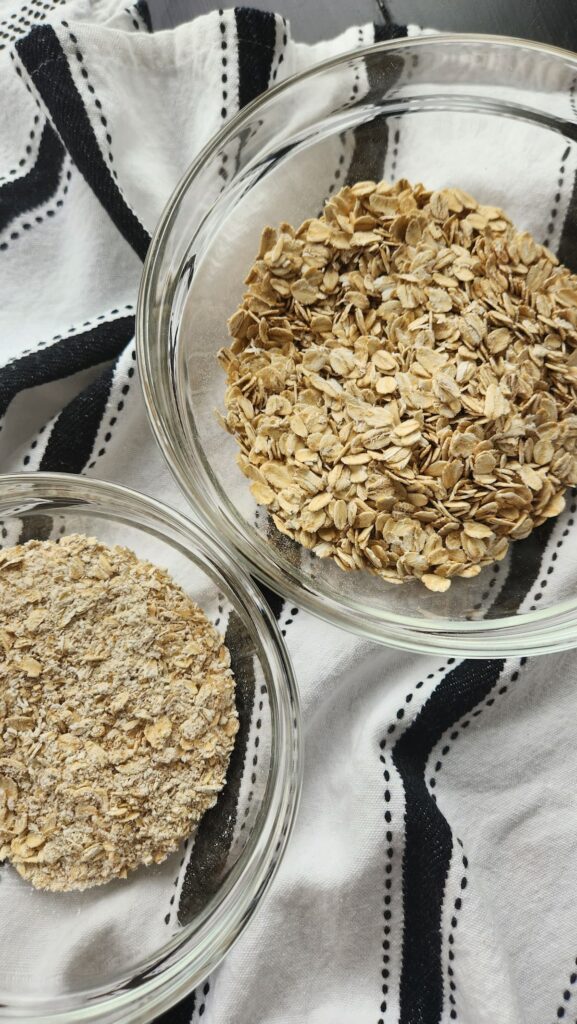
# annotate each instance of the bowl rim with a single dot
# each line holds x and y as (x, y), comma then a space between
(534, 632)
(217, 931)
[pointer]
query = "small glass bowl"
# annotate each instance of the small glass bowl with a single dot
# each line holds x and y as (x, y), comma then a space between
(491, 115)
(128, 950)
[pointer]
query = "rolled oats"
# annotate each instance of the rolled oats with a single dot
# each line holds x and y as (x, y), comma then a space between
(402, 382)
(117, 714)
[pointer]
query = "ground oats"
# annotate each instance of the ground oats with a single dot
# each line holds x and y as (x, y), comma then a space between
(402, 382)
(117, 713)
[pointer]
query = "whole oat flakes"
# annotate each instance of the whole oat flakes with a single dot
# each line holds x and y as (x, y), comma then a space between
(117, 713)
(402, 382)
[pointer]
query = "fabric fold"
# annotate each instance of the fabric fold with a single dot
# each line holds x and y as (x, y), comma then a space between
(429, 875)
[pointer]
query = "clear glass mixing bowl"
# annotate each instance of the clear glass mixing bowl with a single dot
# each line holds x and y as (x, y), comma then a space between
(496, 117)
(128, 950)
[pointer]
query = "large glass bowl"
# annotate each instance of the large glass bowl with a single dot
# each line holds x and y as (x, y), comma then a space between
(496, 117)
(126, 951)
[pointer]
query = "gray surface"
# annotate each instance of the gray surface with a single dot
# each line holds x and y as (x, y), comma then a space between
(310, 19)
(551, 21)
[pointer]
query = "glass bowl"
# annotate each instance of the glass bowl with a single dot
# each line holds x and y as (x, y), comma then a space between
(494, 116)
(128, 950)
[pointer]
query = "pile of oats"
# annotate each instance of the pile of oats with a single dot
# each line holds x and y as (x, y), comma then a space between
(117, 714)
(402, 382)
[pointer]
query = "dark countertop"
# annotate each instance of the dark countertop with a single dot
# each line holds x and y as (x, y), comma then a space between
(550, 21)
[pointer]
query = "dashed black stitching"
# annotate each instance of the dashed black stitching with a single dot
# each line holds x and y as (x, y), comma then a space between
(28, 150)
(401, 711)
(135, 24)
(388, 816)
(90, 87)
(487, 593)
(120, 406)
(39, 219)
(26, 18)
(74, 329)
(258, 725)
(281, 51)
(220, 609)
(343, 138)
(180, 866)
(222, 171)
(14, 33)
(387, 914)
(396, 140)
(573, 98)
(205, 991)
(288, 622)
(432, 783)
(557, 198)
(567, 994)
(457, 905)
(57, 337)
(570, 522)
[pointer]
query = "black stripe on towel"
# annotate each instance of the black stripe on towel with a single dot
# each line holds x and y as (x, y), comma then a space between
(143, 11)
(65, 357)
(428, 840)
(524, 567)
(39, 185)
(256, 39)
(370, 146)
(389, 30)
(275, 601)
(47, 65)
(72, 439)
(179, 1014)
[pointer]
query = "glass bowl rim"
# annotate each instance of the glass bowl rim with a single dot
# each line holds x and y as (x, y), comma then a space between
(535, 632)
(216, 933)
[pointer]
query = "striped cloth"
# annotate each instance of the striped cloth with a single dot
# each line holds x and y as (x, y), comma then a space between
(429, 878)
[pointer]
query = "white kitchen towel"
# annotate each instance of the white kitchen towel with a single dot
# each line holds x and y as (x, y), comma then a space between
(430, 875)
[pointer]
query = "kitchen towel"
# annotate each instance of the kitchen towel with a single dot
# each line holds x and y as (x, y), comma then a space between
(430, 874)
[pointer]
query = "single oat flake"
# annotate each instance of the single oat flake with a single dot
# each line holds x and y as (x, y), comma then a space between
(117, 713)
(402, 382)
